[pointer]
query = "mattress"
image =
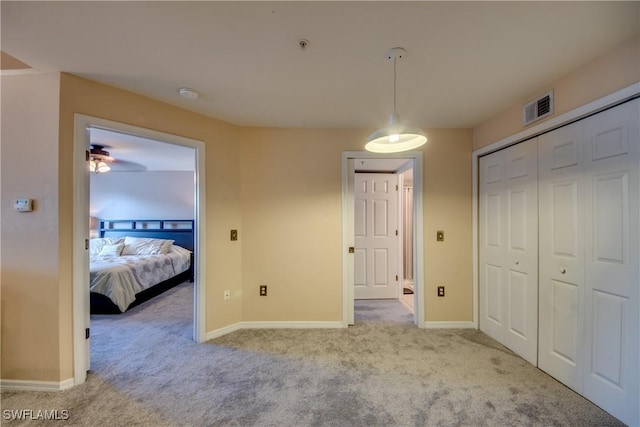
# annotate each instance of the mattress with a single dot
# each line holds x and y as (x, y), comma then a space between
(120, 278)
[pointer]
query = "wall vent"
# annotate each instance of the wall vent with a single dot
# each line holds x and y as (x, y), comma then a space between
(537, 109)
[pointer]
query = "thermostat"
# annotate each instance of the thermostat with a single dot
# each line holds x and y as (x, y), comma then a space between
(23, 205)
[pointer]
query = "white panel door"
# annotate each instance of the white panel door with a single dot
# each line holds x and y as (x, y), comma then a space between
(561, 254)
(590, 256)
(521, 260)
(492, 245)
(376, 236)
(509, 248)
(612, 233)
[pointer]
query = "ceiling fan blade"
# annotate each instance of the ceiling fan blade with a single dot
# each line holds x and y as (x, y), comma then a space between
(126, 166)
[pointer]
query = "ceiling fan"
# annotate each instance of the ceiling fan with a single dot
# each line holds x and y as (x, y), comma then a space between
(100, 161)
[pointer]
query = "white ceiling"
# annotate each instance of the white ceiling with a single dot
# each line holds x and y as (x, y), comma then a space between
(465, 62)
(136, 154)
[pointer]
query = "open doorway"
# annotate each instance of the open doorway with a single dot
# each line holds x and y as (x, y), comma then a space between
(407, 294)
(141, 196)
(84, 126)
(389, 170)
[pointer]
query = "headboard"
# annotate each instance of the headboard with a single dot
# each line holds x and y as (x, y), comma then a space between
(180, 230)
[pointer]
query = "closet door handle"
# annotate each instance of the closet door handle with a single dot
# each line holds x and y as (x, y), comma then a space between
(563, 270)
(517, 262)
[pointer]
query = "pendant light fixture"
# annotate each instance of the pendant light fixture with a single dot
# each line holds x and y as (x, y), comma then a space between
(396, 137)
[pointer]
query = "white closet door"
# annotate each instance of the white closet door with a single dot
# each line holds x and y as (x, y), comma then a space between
(589, 258)
(509, 248)
(521, 272)
(612, 362)
(492, 245)
(561, 254)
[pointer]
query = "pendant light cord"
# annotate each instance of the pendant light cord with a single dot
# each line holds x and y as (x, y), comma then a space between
(394, 86)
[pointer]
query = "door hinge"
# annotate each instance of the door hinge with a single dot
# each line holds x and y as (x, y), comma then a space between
(86, 244)
(87, 333)
(396, 232)
(396, 277)
(87, 155)
(396, 187)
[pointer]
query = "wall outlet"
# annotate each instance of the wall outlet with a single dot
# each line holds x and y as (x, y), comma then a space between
(440, 291)
(263, 290)
(227, 294)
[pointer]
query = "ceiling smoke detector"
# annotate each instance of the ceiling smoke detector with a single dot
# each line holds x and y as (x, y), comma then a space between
(188, 93)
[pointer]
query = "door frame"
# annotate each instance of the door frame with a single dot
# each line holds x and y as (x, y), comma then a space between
(81, 184)
(576, 114)
(348, 238)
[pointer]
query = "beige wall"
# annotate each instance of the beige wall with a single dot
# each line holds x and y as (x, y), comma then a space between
(447, 207)
(37, 264)
(613, 71)
(29, 271)
(292, 222)
(292, 230)
(281, 188)
(222, 181)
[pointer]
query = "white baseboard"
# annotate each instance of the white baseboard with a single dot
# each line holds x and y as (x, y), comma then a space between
(450, 325)
(222, 331)
(26, 385)
(292, 325)
(272, 325)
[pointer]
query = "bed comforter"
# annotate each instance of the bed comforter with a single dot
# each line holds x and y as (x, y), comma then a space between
(120, 278)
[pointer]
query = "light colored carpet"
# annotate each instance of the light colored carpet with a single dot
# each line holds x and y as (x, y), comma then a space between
(383, 371)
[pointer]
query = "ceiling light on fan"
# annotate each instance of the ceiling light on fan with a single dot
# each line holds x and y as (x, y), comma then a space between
(396, 137)
(99, 159)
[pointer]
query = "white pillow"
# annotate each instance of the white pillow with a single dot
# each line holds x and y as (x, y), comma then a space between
(145, 246)
(96, 245)
(112, 250)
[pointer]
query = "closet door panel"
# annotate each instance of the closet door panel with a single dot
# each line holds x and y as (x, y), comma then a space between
(561, 265)
(508, 248)
(492, 246)
(565, 322)
(612, 233)
(521, 268)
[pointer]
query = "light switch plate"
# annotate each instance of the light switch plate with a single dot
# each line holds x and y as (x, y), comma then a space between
(439, 236)
(234, 235)
(23, 205)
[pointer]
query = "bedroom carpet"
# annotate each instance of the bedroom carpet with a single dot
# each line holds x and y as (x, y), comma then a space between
(146, 371)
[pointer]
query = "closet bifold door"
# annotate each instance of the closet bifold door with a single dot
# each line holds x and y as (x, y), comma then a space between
(612, 280)
(589, 187)
(561, 270)
(509, 248)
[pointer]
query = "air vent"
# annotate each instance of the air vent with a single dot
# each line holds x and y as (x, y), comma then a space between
(537, 109)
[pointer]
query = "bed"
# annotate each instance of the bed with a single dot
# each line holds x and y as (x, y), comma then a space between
(133, 261)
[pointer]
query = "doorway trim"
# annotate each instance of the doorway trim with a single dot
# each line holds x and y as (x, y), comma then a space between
(348, 238)
(81, 144)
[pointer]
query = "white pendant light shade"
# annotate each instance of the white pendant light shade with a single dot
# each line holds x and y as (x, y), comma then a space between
(396, 137)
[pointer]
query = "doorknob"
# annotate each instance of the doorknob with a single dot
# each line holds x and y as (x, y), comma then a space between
(517, 262)
(563, 270)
